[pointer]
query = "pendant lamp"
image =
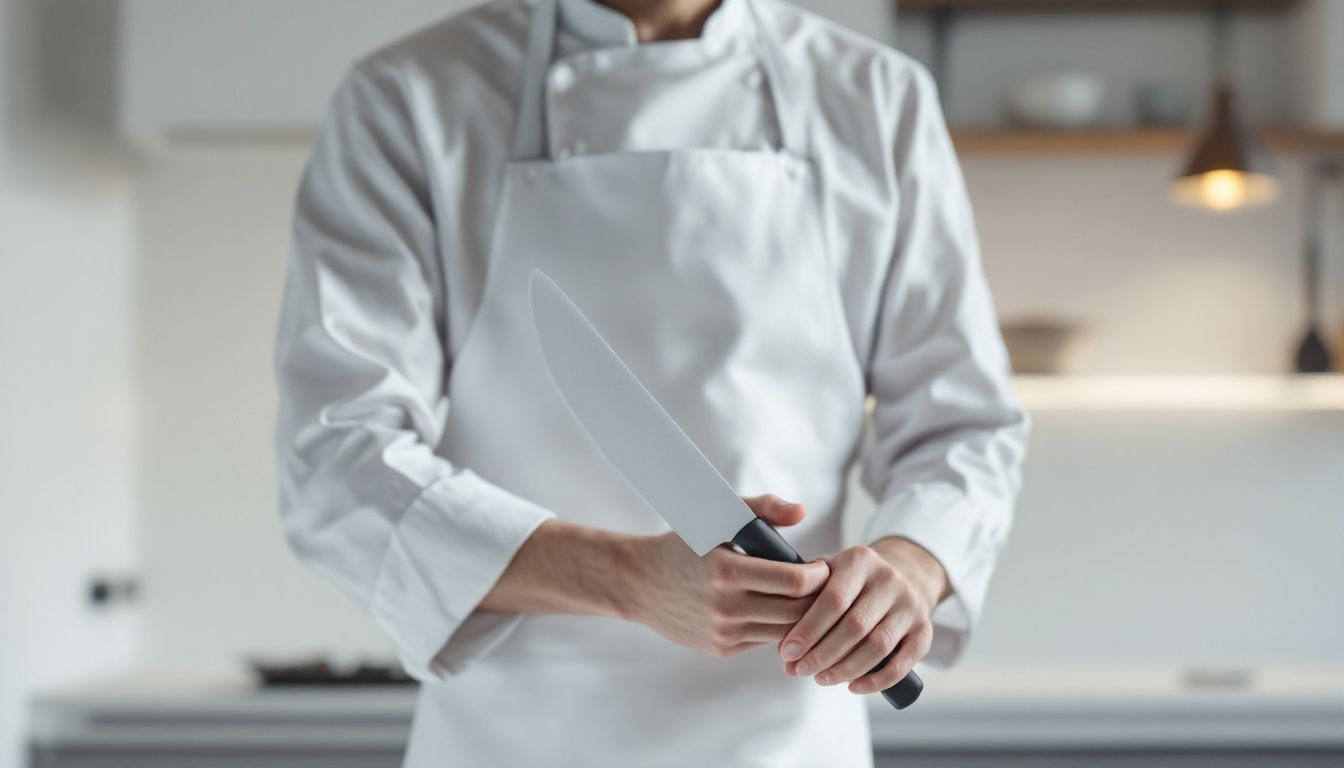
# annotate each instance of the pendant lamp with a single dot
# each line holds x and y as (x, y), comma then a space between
(1227, 170)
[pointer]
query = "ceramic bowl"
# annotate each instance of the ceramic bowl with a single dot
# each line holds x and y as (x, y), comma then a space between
(1060, 101)
(1042, 346)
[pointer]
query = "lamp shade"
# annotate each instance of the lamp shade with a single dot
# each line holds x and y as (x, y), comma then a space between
(1227, 170)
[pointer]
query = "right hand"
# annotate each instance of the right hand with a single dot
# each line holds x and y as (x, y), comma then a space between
(725, 602)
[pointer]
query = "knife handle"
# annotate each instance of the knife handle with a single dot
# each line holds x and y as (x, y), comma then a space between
(760, 539)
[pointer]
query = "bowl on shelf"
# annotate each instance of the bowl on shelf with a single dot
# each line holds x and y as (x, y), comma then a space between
(1059, 101)
(1161, 104)
(1042, 345)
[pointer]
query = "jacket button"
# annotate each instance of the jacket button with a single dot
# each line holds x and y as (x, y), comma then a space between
(562, 77)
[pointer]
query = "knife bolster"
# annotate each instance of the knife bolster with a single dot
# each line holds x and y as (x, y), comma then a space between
(760, 539)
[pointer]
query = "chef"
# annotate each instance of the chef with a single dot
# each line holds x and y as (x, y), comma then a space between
(764, 214)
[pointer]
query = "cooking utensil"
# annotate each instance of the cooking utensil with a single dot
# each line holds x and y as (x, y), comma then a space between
(649, 449)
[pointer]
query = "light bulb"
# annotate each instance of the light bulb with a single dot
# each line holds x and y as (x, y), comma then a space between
(1223, 190)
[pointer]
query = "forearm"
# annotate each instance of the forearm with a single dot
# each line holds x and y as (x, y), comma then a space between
(567, 568)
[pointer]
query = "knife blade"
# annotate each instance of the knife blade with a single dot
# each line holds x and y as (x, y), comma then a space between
(647, 446)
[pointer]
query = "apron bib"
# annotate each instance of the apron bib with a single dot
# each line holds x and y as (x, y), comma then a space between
(706, 271)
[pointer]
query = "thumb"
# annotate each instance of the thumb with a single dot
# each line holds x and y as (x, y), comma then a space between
(775, 510)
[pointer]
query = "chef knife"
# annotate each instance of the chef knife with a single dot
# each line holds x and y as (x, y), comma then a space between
(649, 449)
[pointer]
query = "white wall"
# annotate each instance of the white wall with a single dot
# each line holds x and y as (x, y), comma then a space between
(1160, 288)
(213, 234)
(67, 397)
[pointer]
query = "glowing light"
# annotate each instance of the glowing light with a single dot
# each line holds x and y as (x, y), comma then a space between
(1225, 190)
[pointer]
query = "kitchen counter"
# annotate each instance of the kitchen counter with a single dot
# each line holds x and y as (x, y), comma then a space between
(221, 718)
(1122, 705)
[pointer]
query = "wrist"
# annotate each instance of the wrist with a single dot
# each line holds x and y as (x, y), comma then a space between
(919, 565)
(630, 566)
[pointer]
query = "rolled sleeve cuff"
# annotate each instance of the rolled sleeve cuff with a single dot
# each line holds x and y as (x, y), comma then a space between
(943, 521)
(448, 550)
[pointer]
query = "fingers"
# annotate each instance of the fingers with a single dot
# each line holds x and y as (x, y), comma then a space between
(733, 650)
(769, 609)
(915, 643)
(869, 650)
(832, 602)
(775, 510)
(757, 633)
(847, 636)
(730, 571)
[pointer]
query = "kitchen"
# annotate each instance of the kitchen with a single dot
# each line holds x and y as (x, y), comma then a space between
(1167, 596)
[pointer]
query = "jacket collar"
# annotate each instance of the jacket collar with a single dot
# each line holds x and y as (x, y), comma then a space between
(603, 27)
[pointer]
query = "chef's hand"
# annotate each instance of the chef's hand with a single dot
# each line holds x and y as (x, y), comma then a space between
(877, 598)
(725, 602)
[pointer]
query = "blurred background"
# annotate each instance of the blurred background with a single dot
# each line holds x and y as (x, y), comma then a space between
(1170, 278)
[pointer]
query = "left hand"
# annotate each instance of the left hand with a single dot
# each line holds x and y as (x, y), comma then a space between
(876, 598)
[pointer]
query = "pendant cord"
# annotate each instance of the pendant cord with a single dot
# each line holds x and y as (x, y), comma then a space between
(1221, 44)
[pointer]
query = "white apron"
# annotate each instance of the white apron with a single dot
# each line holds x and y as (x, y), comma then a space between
(706, 270)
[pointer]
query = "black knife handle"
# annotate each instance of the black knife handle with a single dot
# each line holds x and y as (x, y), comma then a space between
(760, 539)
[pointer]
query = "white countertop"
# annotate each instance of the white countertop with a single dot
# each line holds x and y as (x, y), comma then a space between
(1041, 705)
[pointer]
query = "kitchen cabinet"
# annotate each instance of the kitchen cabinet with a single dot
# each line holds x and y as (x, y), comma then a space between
(1000, 715)
(249, 69)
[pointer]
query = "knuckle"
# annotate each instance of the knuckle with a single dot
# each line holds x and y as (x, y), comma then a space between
(796, 582)
(922, 634)
(723, 570)
(849, 556)
(886, 638)
(832, 600)
(883, 639)
(722, 606)
(855, 621)
(799, 580)
(887, 577)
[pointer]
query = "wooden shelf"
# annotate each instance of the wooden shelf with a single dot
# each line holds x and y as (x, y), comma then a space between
(1101, 141)
(1182, 393)
(915, 6)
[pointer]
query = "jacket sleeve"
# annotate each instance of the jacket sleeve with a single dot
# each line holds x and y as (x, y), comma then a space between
(949, 433)
(361, 370)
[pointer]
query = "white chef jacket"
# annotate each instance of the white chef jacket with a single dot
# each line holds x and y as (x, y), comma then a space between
(392, 230)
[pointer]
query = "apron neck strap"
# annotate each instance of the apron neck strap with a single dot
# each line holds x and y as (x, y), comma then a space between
(529, 136)
(529, 131)
(792, 136)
